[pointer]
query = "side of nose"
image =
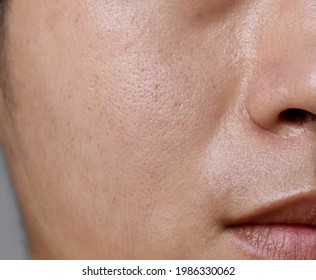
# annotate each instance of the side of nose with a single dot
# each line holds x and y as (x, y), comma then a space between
(282, 90)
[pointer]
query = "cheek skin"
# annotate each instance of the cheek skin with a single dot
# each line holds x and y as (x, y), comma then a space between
(123, 124)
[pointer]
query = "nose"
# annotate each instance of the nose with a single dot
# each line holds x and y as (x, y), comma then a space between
(282, 89)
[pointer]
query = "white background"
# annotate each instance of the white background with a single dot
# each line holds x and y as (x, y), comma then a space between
(72, 270)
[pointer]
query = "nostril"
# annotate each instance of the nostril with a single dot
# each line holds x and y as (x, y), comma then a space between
(297, 116)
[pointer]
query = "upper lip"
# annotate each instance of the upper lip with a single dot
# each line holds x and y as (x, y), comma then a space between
(298, 210)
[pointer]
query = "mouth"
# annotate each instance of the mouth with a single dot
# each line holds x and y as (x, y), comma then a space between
(285, 230)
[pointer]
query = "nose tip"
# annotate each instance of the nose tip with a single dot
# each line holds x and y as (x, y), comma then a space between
(281, 98)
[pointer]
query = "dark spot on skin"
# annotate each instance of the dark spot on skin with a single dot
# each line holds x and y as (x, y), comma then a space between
(77, 18)
(177, 104)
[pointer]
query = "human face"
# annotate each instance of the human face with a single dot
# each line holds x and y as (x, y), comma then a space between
(155, 129)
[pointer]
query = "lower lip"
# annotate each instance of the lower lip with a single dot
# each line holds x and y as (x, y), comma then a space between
(277, 241)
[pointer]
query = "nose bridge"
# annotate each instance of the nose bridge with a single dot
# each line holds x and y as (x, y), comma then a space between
(296, 52)
(288, 30)
(281, 22)
(302, 55)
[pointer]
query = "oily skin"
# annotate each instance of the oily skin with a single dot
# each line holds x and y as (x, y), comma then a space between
(141, 129)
